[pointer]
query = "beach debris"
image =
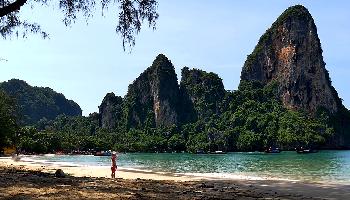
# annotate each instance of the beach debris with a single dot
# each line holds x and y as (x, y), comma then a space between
(59, 173)
(205, 185)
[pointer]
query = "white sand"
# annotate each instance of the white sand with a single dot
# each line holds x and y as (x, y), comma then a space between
(97, 171)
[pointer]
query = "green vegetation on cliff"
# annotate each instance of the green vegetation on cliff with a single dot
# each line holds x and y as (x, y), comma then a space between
(152, 99)
(158, 115)
(38, 103)
(252, 118)
(8, 120)
(285, 99)
(203, 91)
(111, 111)
(297, 11)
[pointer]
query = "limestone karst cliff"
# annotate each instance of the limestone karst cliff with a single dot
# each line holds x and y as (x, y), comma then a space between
(201, 94)
(155, 98)
(110, 111)
(152, 99)
(285, 97)
(282, 101)
(290, 53)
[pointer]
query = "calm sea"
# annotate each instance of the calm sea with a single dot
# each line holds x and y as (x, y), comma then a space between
(324, 166)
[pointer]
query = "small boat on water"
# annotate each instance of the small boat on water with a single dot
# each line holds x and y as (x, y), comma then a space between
(307, 151)
(218, 152)
(200, 152)
(210, 152)
(302, 150)
(103, 153)
(273, 150)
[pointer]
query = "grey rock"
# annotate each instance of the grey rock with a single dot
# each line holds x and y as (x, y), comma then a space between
(59, 173)
(290, 53)
(110, 111)
(153, 97)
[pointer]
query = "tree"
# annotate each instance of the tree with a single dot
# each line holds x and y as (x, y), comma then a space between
(8, 120)
(132, 14)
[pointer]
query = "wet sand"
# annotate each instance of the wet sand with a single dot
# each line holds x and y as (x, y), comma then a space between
(22, 180)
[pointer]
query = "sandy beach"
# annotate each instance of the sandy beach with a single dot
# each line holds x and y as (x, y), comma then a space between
(29, 180)
(95, 171)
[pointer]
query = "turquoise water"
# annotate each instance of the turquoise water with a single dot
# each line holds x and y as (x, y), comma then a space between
(325, 166)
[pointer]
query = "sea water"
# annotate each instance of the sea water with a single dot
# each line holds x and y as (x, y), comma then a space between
(324, 166)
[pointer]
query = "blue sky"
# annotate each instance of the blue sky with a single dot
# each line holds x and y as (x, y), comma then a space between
(85, 62)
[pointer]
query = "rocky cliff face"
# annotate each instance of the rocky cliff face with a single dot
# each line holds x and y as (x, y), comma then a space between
(290, 53)
(201, 93)
(110, 111)
(153, 98)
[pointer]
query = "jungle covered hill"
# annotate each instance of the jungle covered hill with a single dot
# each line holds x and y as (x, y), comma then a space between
(285, 99)
(38, 103)
(248, 119)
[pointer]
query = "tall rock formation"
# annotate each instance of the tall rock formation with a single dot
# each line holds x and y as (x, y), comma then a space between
(110, 111)
(290, 53)
(153, 98)
(201, 94)
(36, 103)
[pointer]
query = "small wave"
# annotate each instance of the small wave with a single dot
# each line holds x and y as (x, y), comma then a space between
(136, 169)
(28, 158)
(34, 159)
(63, 164)
(239, 176)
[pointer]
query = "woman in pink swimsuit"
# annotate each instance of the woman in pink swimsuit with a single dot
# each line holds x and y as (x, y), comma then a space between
(114, 164)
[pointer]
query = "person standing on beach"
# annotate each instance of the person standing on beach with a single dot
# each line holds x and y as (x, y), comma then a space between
(114, 164)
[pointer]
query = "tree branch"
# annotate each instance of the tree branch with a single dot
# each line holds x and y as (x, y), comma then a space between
(12, 7)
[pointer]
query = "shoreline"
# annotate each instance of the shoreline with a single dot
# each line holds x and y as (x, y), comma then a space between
(273, 189)
(131, 173)
(95, 171)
